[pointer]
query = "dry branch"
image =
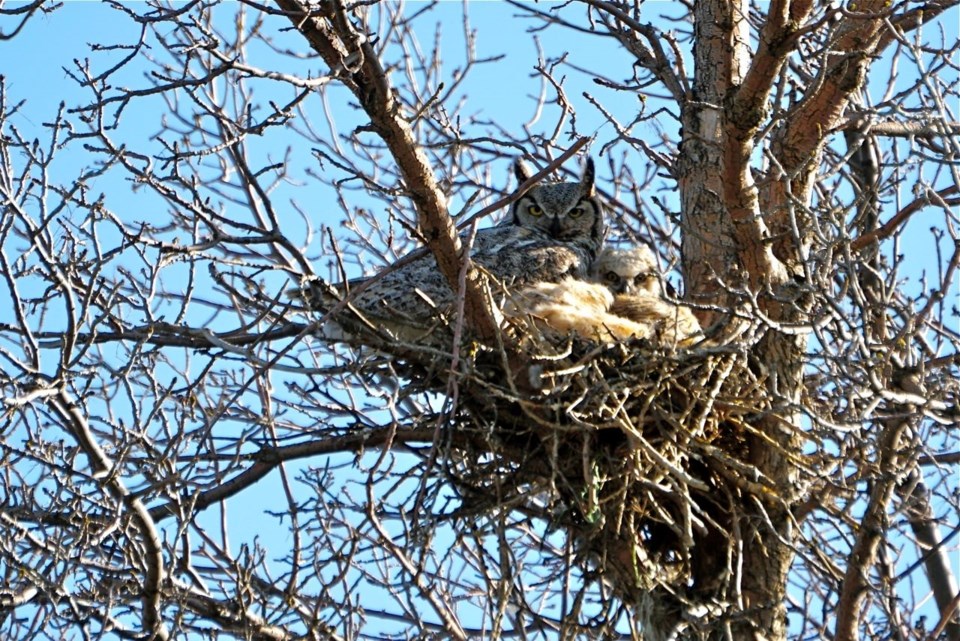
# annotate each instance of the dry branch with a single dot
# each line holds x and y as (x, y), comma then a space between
(352, 57)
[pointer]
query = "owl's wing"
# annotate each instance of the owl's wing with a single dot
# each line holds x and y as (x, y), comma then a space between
(417, 295)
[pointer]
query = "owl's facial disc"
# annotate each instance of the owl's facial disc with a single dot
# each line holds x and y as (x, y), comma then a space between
(568, 226)
(579, 210)
(555, 229)
(616, 283)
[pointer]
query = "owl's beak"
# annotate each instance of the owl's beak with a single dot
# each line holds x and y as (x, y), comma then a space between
(555, 227)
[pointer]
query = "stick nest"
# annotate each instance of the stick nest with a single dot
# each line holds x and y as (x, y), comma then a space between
(635, 449)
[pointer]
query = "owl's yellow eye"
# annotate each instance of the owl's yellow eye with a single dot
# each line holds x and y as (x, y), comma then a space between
(611, 277)
(577, 211)
(642, 278)
(535, 210)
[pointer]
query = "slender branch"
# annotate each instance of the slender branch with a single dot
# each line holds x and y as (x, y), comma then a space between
(104, 468)
(27, 11)
(870, 534)
(894, 129)
(916, 500)
(447, 615)
(891, 226)
(947, 621)
(915, 17)
(269, 458)
(658, 63)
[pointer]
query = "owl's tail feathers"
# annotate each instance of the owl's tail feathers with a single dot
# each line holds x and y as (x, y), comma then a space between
(318, 296)
(376, 325)
(314, 294)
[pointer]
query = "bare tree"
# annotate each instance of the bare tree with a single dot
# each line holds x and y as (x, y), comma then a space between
(190, 453)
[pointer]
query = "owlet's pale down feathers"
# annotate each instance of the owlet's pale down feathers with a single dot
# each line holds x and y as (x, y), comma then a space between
(621, 301)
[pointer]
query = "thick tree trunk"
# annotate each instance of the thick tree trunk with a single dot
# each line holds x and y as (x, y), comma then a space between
(728, 261)
(744, 247)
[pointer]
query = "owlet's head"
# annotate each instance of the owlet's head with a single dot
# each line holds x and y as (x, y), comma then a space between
(568, 212)
(627, 271)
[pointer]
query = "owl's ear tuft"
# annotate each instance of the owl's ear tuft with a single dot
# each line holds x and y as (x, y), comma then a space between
(521, 171)
(587, 178)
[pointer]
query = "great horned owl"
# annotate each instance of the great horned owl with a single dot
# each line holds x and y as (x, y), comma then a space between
(553, 231)
(632, 275)
(627, 271)
(568, 212)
